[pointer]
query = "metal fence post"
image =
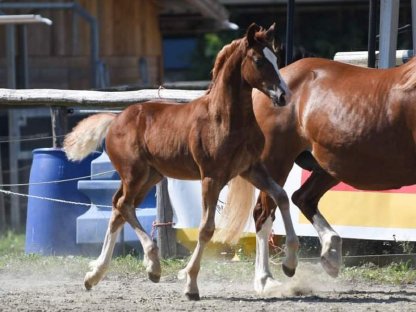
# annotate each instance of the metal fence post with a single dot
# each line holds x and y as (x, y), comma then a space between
(389, 22)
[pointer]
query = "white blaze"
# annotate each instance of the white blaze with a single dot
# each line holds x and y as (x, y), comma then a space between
(271, 57)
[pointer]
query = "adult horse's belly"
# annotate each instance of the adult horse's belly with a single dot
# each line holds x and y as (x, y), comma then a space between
(365, 166)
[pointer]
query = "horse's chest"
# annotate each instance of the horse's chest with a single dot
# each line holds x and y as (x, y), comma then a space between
(246, 141)
(240, 146)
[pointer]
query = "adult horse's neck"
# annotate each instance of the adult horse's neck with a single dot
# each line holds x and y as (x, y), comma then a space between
(230, 94)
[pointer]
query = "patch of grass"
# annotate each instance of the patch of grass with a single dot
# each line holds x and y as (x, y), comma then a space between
(13, 260)
(12, 244)
(395, 273)
(130, 265)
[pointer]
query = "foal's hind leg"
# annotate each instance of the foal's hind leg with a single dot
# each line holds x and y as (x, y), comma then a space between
(134, 192)
(307, 198)
(259, 177)
(100, 266)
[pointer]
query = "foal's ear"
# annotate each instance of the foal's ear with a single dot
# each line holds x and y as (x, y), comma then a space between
(251, 34)
(272, 38)
(270, 33)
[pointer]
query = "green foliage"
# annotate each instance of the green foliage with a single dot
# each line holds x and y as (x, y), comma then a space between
(208, 46)
(11, 243)
(395, 273)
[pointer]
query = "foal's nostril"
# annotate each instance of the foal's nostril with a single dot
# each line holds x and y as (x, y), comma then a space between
(278, 97)
(282, 99)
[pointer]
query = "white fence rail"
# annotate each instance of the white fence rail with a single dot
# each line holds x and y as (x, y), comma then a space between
(55, 97)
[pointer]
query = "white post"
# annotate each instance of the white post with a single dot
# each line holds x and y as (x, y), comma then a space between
(389, 23)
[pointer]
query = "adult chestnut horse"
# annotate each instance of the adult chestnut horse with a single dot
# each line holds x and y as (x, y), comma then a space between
(360, 125)
(214, 138)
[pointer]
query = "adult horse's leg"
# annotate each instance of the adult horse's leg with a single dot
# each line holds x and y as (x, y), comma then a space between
(263, 278)
(210, 192)
(307, 198)
(259, 177)
(100, 266)
(264, 212)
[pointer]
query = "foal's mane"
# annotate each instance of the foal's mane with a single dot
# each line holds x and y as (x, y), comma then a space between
(229, 49)
(222, 58)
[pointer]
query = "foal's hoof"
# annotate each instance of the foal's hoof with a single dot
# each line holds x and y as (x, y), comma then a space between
(87, 285)
(288, 272)
(155, 278)
(89, 281)
(192, 297)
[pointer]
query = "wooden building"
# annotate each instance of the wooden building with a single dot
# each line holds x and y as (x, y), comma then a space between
(91, 44)
(129, 41)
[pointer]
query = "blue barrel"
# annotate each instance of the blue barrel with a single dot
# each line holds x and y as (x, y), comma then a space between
(51, 226)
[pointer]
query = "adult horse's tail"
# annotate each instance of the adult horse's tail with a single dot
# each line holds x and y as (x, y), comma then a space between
(237, 210)
(87, 136)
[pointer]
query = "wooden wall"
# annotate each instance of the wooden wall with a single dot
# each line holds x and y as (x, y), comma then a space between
(59, 54)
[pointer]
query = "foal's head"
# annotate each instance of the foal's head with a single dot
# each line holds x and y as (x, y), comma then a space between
(259, 67)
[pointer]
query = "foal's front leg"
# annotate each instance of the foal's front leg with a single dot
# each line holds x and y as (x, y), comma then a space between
(259, 177)
(210, 192)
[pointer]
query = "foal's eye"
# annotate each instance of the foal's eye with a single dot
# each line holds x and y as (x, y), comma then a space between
(259, 61)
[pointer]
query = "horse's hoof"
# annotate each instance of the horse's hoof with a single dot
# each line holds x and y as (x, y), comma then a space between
(288, 272)
(192, 297)
(87, 285)
(331, 257)
(266, 286)
(329, 268)
(155, 278)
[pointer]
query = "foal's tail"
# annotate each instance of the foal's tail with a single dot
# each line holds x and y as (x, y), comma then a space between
(87, 136)
(237, 210)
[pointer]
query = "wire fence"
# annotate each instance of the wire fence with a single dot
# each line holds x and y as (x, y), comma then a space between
(59, 181)
(4, 140)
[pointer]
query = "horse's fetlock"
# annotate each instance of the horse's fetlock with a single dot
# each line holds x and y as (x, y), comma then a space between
(152, 250)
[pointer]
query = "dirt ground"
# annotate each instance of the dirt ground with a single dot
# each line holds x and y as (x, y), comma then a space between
(309, 290)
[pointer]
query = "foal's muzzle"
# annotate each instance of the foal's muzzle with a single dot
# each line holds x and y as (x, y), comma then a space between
(279, 96)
